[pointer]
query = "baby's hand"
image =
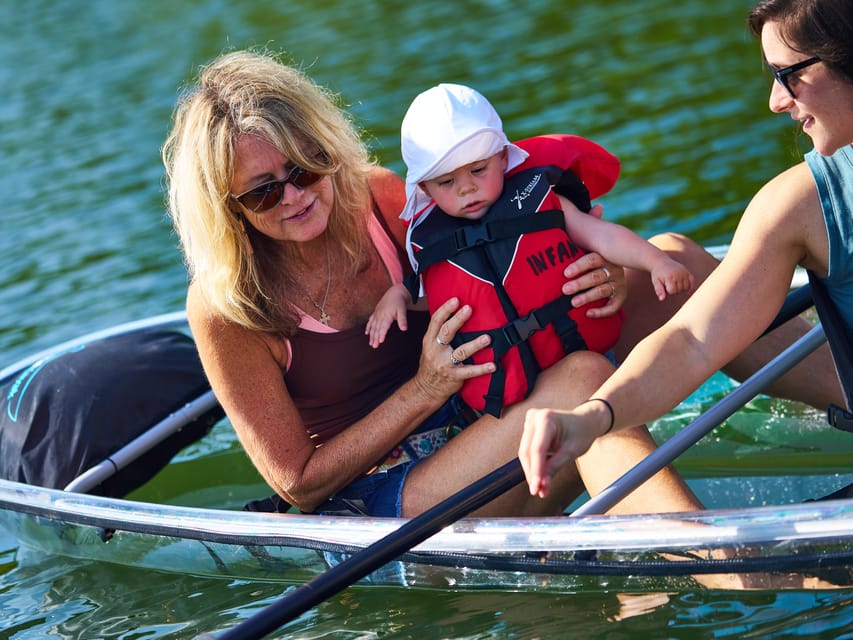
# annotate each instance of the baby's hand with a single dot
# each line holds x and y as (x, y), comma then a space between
(670, 277)
(391, 308)
(597, 211)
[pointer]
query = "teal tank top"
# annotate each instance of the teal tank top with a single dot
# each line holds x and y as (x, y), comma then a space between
(833, 176)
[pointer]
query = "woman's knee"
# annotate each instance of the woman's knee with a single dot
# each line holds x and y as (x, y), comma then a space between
(591, 364)
(572, 379)
(687, 252)
(671, 241)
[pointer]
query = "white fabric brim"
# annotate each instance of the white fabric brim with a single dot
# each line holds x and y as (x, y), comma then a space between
(478, 146)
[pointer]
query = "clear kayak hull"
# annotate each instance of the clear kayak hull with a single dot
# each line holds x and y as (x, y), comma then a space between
(646, 552)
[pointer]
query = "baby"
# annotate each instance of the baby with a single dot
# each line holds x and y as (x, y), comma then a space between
(494, 224)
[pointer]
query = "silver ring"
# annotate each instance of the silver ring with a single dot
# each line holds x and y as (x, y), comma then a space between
(612, 290)
(454, 360)
(606, 273)
(441, 342)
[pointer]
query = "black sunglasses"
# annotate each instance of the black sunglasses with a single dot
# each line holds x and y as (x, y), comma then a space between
(264, 197)
(782, 75)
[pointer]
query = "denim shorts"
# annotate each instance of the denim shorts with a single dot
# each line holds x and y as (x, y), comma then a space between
(380, 494)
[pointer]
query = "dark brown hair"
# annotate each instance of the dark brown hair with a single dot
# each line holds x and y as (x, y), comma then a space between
(822, 28)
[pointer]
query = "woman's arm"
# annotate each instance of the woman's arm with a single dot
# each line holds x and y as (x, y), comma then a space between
(244, 369)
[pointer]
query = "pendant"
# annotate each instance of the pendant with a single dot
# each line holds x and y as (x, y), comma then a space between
(324, 317)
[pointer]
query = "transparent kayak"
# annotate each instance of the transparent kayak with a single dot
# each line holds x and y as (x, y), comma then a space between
(188, 518)
(646, 552)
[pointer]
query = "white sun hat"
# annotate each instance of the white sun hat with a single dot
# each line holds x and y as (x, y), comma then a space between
(446, 127)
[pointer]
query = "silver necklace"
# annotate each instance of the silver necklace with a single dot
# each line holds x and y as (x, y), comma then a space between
(324, 317)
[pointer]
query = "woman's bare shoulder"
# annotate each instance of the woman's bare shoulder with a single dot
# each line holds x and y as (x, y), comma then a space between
(380, 175)
(388, 189)
(199, 313)
(389, 192)
(786, 214)
(213, 332)
(789, 192)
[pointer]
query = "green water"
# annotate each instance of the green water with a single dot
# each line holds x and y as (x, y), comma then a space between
(674, 89)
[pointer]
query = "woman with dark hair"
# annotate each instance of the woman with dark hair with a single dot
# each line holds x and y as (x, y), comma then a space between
(804, 216)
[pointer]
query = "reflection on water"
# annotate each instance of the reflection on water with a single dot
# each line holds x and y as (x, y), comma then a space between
(108, 610)
(674, 89)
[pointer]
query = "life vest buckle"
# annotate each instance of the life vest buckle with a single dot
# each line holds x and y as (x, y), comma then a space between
(471, 236)
(839, 418)
(521, 329)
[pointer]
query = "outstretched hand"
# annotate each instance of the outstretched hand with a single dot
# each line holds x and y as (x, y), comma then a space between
(391, 308)
(670, 277)
(553, 438)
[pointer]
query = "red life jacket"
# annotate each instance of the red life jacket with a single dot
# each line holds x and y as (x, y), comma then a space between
(509, 267)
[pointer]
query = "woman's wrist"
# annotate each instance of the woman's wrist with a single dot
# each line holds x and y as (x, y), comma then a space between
(421, 396)
(611, 415)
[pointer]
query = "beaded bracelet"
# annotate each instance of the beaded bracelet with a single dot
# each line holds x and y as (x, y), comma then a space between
(610, 409)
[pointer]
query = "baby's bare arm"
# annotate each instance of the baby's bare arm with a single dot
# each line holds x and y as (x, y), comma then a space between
(622, 246)
(391, 307)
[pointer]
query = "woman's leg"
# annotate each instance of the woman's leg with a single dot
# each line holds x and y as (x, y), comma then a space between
(612, 455)
(813, 381)
(489, 443)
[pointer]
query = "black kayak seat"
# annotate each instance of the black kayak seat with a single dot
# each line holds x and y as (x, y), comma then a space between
(74, 410)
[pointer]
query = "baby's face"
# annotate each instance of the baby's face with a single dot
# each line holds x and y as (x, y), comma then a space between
(469, 191)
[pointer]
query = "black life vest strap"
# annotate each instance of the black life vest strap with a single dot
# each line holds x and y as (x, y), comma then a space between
(494, 398)
(472, 235)
(839, 418)
(412, 282)
(518, 331)
(841, 348)
(571, 187)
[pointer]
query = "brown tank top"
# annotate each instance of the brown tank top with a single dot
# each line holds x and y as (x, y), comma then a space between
(335, 379)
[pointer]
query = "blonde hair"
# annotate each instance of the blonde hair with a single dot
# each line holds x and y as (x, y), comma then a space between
(243, 275)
